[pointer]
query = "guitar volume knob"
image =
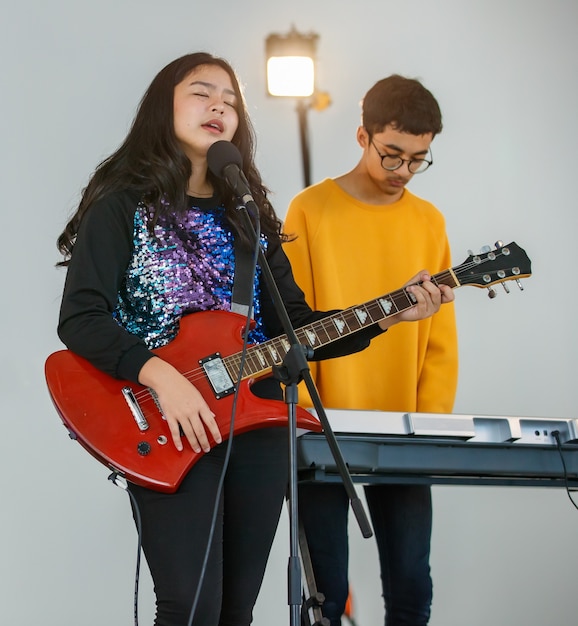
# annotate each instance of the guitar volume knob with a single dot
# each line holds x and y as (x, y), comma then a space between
(143, 448)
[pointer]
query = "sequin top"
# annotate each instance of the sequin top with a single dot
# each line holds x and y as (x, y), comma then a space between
(126, 291)
(187, 266)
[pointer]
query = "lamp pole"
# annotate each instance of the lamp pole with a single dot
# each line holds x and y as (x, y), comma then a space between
(302, 108)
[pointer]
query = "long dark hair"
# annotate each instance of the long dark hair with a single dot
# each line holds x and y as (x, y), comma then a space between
(151, 161)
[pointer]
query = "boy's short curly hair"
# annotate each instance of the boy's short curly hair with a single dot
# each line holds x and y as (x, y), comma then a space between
(403, 103)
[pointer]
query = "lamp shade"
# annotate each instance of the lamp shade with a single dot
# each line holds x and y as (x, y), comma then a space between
(291, 64)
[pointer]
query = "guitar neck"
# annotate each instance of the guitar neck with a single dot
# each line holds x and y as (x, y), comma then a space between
(261, 358)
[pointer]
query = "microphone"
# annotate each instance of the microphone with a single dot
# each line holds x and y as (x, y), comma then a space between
(225, 161)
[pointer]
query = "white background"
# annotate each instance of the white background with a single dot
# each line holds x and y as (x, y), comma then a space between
(504, 73)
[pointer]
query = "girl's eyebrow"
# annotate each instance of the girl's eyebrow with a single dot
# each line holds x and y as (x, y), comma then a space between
(212, 86)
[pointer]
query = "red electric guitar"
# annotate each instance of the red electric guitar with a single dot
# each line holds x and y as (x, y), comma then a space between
(121, 425)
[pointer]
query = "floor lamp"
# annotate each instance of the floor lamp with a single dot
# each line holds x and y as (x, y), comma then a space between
(291, 74)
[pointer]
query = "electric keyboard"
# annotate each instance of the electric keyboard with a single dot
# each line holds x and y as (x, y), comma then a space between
(433, 448)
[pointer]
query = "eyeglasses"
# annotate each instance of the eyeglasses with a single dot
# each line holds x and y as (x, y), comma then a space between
(392, 162)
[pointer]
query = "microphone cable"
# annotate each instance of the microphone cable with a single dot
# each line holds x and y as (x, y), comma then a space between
(120, 482)
(231, 428)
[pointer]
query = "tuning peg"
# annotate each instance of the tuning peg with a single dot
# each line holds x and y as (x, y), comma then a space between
(499, 243)
(520, 286)
(506, 288)
(485, 249)
(470, 253)
(491, 293)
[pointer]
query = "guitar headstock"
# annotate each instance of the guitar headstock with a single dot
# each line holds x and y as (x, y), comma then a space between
(504, 263)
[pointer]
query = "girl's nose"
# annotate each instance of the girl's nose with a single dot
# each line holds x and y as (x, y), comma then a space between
(218, 107)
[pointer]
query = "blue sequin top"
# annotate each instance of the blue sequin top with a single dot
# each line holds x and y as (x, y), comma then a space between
(187, 266)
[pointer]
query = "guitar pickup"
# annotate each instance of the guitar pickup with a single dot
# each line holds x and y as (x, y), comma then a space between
(218, 375)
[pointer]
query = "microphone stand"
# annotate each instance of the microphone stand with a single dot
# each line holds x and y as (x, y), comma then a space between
(294, 369)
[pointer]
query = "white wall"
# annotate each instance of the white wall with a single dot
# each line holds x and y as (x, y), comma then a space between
(504, 72)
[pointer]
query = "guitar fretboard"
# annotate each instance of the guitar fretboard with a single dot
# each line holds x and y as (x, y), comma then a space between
(261, 358)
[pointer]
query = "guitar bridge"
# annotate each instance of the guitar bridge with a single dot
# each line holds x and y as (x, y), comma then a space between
(218, 375)
(139, 418)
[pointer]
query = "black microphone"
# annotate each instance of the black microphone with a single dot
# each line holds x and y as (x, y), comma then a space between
(225, 161)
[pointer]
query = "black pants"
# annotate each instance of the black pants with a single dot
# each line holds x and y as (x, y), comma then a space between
(401, 516)
(175, 531)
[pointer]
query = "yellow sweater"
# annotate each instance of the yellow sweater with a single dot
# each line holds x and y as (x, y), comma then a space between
(348, 252)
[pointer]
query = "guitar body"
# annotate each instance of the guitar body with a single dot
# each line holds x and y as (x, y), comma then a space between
(95, 410)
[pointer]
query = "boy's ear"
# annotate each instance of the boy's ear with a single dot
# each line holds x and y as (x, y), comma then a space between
(362, 137)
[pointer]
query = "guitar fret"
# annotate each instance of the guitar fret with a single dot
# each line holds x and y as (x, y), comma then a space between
(330, 330)
(352, 321)
(387, 305)
(375, 311)
(322, 334)
(273, 348)
(398, 302)
(339, 323)
(446, 277)
(284, 344)
(273, 356)
(361, 315)
(407, 298)
(309, 337)
(260, 357)
(253, 363)
(232, 367)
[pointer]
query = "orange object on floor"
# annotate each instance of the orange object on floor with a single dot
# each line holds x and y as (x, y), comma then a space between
(349, 609)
